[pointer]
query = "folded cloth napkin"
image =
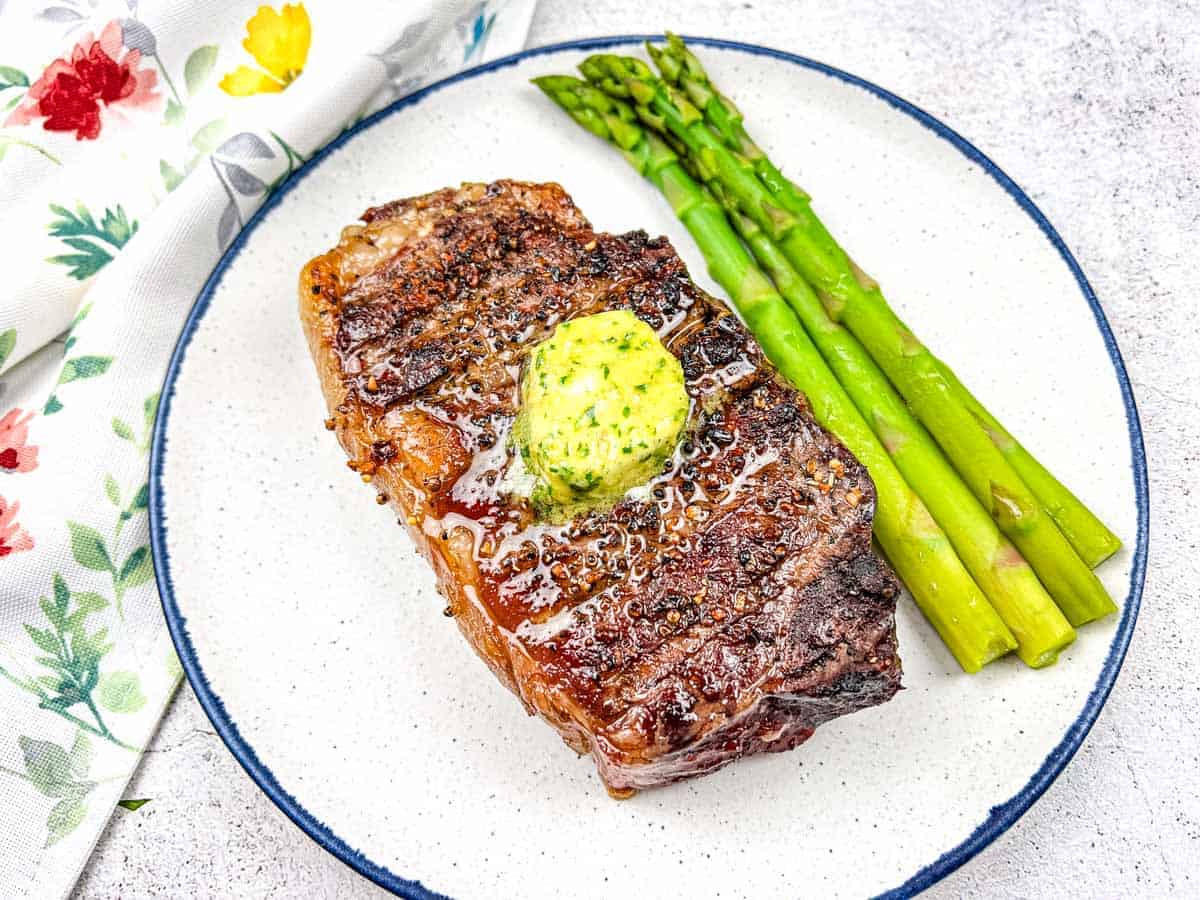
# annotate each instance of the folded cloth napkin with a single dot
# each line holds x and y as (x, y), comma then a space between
(135, 141)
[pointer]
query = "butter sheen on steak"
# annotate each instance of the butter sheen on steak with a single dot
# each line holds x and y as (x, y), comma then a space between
(729, 609)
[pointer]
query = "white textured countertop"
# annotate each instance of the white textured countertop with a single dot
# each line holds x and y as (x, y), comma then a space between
(1096, 113)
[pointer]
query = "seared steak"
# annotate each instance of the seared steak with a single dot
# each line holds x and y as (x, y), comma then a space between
(729, 608)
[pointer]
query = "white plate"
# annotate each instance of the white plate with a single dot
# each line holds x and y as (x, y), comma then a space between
(311, 631)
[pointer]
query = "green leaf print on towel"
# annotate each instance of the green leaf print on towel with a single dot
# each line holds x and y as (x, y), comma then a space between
(121, 692)
(70, 653)
(8, 341)
(199, 66)
(89, 547)
(80, 231)
(78, 367)
(59, 774)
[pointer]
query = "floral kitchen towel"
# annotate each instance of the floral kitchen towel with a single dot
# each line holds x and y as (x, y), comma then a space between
(135, 140)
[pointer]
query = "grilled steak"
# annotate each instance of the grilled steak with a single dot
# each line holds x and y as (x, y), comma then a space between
(729, 608)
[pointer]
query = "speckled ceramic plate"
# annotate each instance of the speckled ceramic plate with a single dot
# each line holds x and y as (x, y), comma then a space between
(311, 631)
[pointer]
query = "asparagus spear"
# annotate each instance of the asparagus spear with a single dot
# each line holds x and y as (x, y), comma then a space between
(1090, 538)
(912, 540)
(852, 297)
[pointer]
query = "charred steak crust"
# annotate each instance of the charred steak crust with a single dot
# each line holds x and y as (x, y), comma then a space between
(732, 610)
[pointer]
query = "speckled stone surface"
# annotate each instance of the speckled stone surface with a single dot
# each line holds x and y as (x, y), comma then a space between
(1095, 112)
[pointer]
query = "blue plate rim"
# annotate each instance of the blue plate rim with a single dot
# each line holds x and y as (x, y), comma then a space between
(1000, 818)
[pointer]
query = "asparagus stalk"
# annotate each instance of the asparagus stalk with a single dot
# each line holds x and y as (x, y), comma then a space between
(852, 297)
(912, 540)
(1005, 577)
(1090, 538)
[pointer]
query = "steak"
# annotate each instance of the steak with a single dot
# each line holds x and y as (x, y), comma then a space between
(729, 607)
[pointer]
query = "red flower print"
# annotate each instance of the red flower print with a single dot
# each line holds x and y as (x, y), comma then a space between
(13, 538)
(15, 454)
(70, 93)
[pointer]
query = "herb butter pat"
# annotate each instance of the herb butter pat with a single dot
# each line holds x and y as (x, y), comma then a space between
(603, 406)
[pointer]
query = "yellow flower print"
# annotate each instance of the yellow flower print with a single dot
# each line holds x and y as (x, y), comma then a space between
(278, 41)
